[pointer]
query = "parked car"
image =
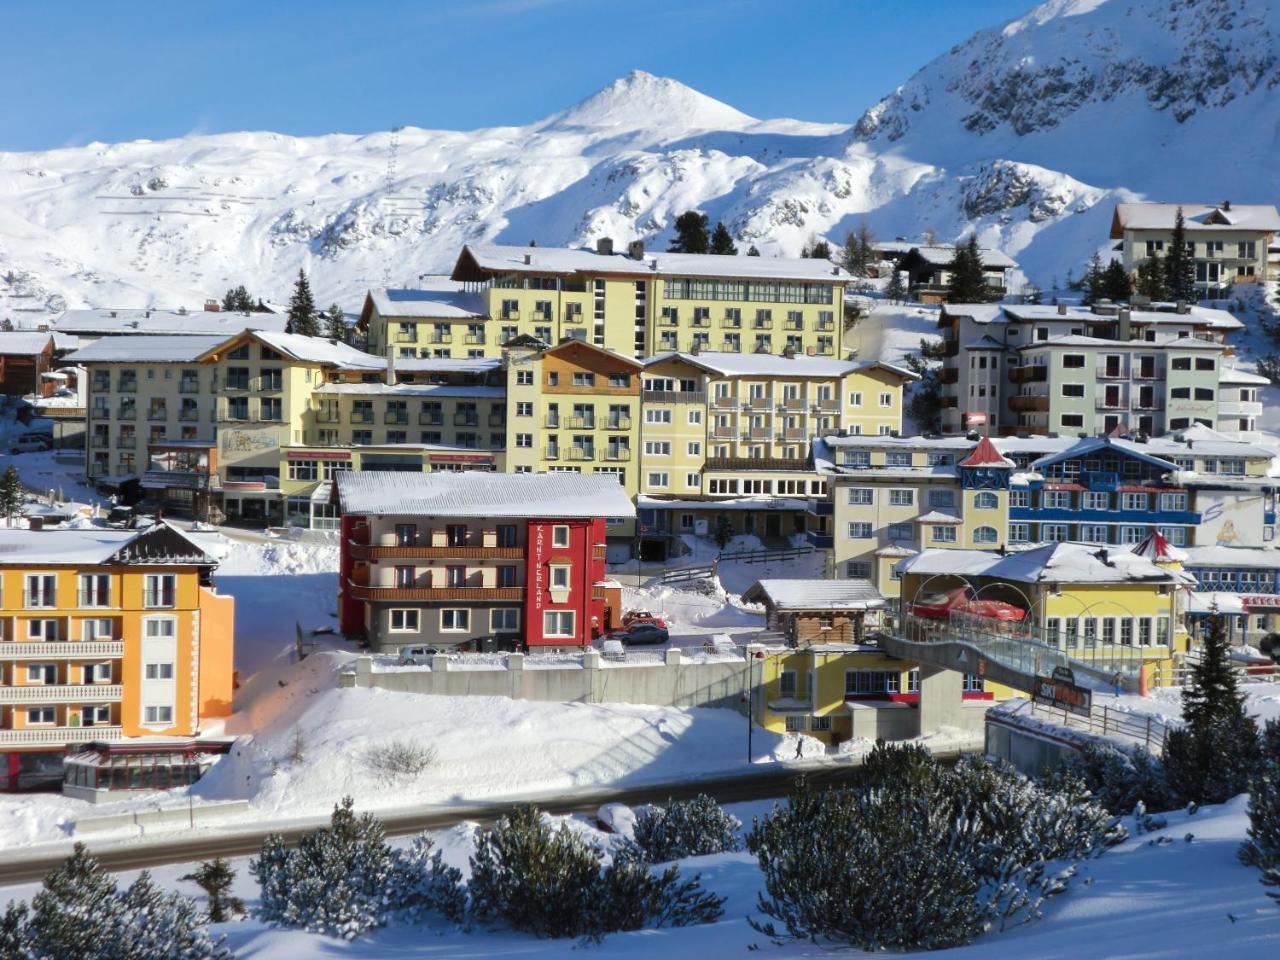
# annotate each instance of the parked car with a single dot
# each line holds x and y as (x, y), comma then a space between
(642, 632)
(612, 649)
(140, 521)
(30, 443)
(118, 518)
(641, 616)
(418, 656)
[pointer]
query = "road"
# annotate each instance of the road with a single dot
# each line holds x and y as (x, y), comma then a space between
(761, 783)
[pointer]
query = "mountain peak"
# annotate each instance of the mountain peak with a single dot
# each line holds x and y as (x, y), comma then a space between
(642, 100)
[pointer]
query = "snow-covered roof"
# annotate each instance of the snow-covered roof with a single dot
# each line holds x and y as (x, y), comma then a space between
(159, 544)
(776, 365)
(1049, 563)
(500, 258)
(147, 349)
(476, 494)
(938, 516)
(986, 455)
(318, 350)
(1198, 216)
(23, 343)
(728, 503)
(943, 254)
(447, 364)
(1090, 446)
(451, 303)
(62, 342)
(1157, 314)
(815, 594)
(1216, 556)
(107, 322)
(1233, 375)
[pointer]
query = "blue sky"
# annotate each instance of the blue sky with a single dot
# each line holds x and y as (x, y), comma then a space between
(74, 71)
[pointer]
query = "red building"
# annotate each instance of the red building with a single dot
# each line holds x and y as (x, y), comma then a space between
(476, 560)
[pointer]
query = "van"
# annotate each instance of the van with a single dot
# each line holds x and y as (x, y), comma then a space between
(30, 443)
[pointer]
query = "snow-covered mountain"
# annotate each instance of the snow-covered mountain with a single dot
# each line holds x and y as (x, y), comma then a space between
(1027, 132)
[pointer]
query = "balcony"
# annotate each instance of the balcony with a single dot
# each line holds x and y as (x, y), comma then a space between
(758, 463)
(793, 325)
(357, 416)
(466, 420)
(1108, 403)
(618, 454)
(127, 440)
(757, 433)
(792, 403)
(1147, 373)
(951, 375)
(618, 423)
(511, 314)
(1026, 403)
(189, 415)
(42, 736)
(99, 442)
(474, 339)
(441, 338)
(396, 418)
(551, 453)
(674, 396)
(723, 433)
(700, 321)
(762, 325)
(236, 383)
(60, 650)
(825, 326)
(731, 323)
(129, 412)
(580, 423)
(411, 337)
(580, 453)
(572, 316)
(61, 692)
(792, 435)
(188, 386)
(157, 414)
(1035, 373)
(827, 406)
(1151, 404)
(431, 419)
(361, 551)
(127, 386)
(497, 420)
(396, 594)
(552, 422)
(1112, 372)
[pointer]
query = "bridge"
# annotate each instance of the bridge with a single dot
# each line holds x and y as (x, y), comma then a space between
(1010, 653)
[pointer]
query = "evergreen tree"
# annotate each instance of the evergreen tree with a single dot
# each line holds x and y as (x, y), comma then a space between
(1210, 757)
(1150, 281)
(1262, 849)
(723, 532)
(968, 284)
(215, 878)
(1093, 280)
(753, 251)
(302, 309)
(819, 250)
(859, 252)
(11, 492)
(896, 291)
(238, 300)
(1117, 285)
(686, 828)
(722, 242)
(6, 325)
(1179, 268)
(691, 233)
(335, 324)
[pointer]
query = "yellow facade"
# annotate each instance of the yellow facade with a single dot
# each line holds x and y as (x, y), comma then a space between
(96, 651)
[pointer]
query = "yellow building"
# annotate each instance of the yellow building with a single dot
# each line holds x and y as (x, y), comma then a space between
(106, 635)
(443, 320)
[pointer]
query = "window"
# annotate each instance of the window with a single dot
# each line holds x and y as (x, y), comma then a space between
(95, 590)
(657, 448)
(584, 379)
(859, 531)
(1073, 420)
(1019, 532)
(659, 479)
(42, 590)
(985, 535)
(1073, 389)
(942, 534)
(820, 724)
(156, 628)
(158, 671)
(886, 399)
(455, 534)
(986, 500)
(1204, 363)
(157, 715)
(1092, 500)
(942, 498)
(96, 629)
(861, 496)
(159, 590)
(404, 621)
(40, 716)
(1180, 363)
(560, 577)
(855, 399)
(1055, 500)
(304, 470)
(897, 459)
(558, 623)
(1073, 360)
(42, 673)
(857, 570)
(524, 378)
(46, 630)
(1094, 533)
(455, 620)
(524, 408)
(657, 415)
(560, 536)
(406, 534)
(795, 724)
(902, 498)
(504, 620)
(900, 531)
(1134, 501)
(787, 683)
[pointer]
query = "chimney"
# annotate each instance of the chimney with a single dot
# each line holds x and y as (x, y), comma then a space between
(113, 314)
(528, 259)
(391, 366)
(635, 249)
(35, 523)
(789, 352)
(212, 306)
(695, 348)
(1226, 204)
(1062, 309)
(604, 246)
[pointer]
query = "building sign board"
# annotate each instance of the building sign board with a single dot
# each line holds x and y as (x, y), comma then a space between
(1061, 691)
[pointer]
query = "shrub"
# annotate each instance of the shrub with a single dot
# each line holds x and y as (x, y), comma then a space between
(345, 879)
(79, 912)
(918, 856)
(1120, 778)
(400, 760)
(215, 878)
(549, 882)
(686, 828)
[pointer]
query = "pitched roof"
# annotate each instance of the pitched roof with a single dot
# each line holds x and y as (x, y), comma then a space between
(309, 349)
(24, 343)
(165, 322)
(986, 455)
(160, 544)
(728, 364)
(943, 254)
(139, 348)
(1156, 548)
(1049, 563)
(451, 302)
(1092, 445)
(1198, 216)
(815, 594)
(477, 494)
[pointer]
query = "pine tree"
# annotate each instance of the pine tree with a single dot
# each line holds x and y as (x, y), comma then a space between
(1093, 280)
(691, 233)
(1150, 281)
(968, 284)
(686, 828)
(722, 241)
(1209, 758)
(896, 291)
(6, 325)
(11, 492)
(1117, 285)
(335, 324)
(215, 877)
(1179, 268)
(1262, 849)
(859, 250)
(820, 250)
(753, 251)
(238, 300)
(302, 309)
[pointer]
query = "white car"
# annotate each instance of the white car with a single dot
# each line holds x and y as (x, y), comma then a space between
(417, 656)
(29, 442)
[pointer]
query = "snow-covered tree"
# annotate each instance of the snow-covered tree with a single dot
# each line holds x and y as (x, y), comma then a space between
(722, 241)
(215, 877)
(423, 884)
(1262, 849)
(1209, 758)
(896, 291)
(753, 251)
(1120, 778)
(302, 309)
(238, 300)
(11, 492)
(686, 828)
(335, 324)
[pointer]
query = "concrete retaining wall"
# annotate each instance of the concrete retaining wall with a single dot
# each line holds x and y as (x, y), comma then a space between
(162, 817)
(675, 682)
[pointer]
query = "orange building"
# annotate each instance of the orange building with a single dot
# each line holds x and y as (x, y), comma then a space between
(114, 639)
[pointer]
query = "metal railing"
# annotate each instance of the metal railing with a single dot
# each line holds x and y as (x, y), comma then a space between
(45, 649)
(59, 692)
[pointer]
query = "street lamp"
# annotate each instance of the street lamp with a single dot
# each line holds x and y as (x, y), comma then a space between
(748, 694)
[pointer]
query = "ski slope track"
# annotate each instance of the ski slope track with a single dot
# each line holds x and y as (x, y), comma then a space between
(1027, 132)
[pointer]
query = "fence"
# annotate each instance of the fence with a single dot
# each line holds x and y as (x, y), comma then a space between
(1103, 721)
(682, 574)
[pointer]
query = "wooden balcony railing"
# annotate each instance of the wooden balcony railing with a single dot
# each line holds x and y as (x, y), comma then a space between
(361, 551)
(464, 594)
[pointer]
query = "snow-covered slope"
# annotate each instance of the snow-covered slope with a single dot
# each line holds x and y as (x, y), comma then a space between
(1027, 132)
